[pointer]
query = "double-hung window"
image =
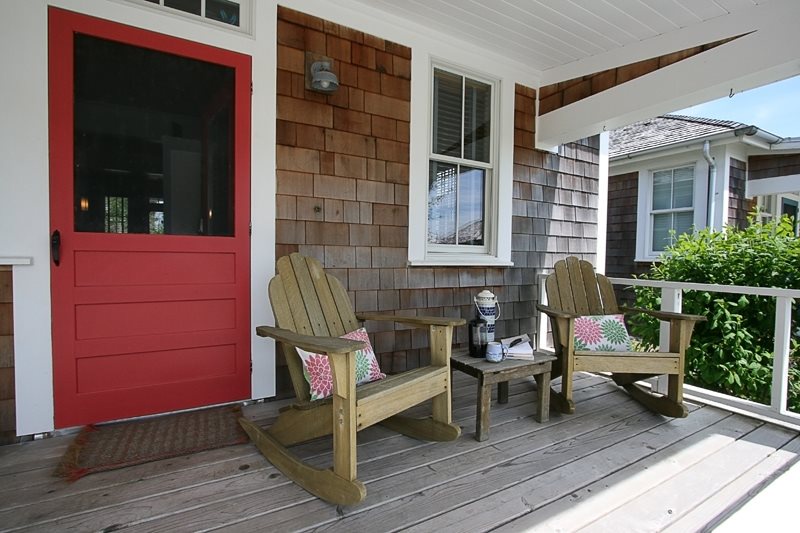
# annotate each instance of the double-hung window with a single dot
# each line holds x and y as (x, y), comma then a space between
(671, 206)
(461, 164)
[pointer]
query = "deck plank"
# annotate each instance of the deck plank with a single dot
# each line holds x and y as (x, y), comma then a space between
(595, 469)
(424, 475)
(728, 500)
(374, 467)
(654, 509)
(557, 460)
(633, 467)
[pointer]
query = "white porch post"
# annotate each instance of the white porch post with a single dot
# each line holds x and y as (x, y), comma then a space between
(672, 301)
(780, 363)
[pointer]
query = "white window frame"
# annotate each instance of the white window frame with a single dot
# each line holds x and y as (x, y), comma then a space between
(245, 14)
(498, 195)
(644, 217)
(489, 190)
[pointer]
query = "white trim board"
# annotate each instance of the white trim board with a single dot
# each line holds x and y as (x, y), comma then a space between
(778, 185)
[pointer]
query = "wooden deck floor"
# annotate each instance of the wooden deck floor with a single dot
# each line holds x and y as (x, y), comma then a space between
(610, 467)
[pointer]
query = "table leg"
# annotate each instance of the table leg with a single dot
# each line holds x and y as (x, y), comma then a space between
(484, 404)
(502, 392)
(543, 396)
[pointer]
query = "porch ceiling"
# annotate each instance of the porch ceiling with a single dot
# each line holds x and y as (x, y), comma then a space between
(551, 41)
(547, 34)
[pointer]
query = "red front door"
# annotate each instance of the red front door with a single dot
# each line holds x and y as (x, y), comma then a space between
(149, 214)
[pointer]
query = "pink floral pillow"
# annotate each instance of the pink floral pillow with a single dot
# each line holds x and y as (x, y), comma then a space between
(601, 333)
(317, 368)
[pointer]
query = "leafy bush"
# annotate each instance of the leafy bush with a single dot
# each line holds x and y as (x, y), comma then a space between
(731, 353)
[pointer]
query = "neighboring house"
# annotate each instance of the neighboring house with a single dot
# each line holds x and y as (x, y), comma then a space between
(158, 155)
(673, 173)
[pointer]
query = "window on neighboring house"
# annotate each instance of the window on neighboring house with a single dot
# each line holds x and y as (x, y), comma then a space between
(789, 208)
(766, 208)
(776, 205)
(671, 206)
(461, 160)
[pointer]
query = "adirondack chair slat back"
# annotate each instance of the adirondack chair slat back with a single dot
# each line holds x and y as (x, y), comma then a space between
(575, 288)
(307, 300)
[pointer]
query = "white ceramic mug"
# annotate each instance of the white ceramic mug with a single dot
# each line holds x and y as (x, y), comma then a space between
(495, 352)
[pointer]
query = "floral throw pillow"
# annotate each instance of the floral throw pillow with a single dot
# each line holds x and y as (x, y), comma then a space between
(601, 333)
(317, 367)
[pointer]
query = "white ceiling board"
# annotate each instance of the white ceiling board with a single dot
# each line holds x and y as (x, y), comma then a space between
(543, 18)
(653, 19)
(674, 11)
(703, 9)
(609, 30)
(548, 34)
(736, 5)
(517, 28)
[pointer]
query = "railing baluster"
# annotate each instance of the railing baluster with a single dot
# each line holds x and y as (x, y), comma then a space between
(780, 362)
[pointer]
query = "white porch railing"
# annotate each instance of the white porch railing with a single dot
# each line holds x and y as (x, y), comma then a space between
(672, 300)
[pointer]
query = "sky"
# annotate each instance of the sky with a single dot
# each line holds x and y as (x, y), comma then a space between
(774, 108)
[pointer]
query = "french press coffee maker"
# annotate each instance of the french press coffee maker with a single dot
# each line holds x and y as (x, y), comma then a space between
(478, 330)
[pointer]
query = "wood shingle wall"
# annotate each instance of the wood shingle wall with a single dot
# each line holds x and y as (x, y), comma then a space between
(772, 166)
(739, 206)
(342, 184)
(621, 232)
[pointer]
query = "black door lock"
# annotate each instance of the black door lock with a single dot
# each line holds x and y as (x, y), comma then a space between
(55, 247)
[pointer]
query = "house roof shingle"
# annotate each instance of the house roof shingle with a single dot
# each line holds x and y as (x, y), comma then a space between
(663, 131)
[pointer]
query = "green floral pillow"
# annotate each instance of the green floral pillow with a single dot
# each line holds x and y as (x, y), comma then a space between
(317, 367)
(601, 333)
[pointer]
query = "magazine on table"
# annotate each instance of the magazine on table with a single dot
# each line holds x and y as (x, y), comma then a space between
(519, 347)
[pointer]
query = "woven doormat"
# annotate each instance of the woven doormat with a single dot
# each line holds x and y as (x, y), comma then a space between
(107, 447)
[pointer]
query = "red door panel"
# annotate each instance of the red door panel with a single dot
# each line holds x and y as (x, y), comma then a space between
(149, 192)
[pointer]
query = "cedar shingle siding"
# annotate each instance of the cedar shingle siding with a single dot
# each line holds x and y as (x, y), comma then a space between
(621, 231)
(772, 166)
(342, 183)
(738, 205)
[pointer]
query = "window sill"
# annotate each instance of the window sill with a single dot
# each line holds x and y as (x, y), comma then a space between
(653, 259)
(5, 260)
(467, 261)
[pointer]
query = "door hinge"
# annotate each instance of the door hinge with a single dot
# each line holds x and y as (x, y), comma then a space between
(251, 88)
(251, 367)
(250, 229)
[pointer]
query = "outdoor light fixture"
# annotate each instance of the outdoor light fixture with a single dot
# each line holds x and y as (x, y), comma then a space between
(322, 79)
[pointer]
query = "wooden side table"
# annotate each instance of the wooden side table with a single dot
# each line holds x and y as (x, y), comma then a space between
(490, 373)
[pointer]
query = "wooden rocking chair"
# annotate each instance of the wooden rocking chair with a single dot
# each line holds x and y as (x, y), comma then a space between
(574, 290)
(312, 310)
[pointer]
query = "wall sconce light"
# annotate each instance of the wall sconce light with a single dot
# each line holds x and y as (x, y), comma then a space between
(318, 74)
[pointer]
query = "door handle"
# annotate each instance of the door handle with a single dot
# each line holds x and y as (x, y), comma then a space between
(55, 247)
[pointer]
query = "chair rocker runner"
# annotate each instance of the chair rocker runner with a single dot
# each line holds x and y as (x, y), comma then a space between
(312, 310)
(574, 291)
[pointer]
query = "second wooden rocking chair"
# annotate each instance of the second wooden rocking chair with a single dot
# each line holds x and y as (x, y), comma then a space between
(574, 291)
(312, 310)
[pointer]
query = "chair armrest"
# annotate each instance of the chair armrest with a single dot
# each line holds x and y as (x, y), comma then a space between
(663, 315)
(556, 313)
(412, 320)
(310, 343)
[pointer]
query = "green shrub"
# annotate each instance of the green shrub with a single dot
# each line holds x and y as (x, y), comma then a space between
(731, 353)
